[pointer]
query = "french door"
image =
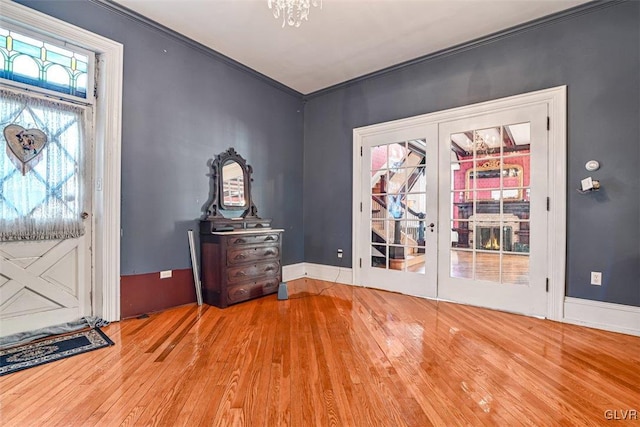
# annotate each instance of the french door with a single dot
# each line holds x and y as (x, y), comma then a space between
(398, 217)
(48, 281)
(474, 228)
(493, 210)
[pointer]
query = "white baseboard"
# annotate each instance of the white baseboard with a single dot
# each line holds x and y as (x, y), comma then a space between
(328, 273)
(293, 271)
(602, 315)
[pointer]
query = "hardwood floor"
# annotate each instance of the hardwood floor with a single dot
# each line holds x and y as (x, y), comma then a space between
(506, 268)
(511, 269)
(349, 356)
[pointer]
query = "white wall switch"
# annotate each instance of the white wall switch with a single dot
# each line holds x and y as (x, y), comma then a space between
(166, 274)
(596, 278)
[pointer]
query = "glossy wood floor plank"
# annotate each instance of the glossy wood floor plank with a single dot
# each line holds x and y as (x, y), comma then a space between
(334, 355)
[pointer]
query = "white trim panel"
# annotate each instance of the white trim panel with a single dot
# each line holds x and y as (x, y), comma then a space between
(329, 273)
(356, 206)
(293, 272)
(557, 220)
(602, 315)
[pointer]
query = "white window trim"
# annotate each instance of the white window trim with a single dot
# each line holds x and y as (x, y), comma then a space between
(556, 100)
(107, 154)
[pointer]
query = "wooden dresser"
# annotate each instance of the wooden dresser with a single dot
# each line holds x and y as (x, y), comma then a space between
(240, 265)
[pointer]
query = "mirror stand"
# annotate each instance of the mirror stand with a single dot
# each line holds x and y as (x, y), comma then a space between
(240, 252)
(231, 206)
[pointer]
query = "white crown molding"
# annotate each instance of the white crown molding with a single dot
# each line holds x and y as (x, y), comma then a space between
(574, 12)
(130, 14)
(602, 315)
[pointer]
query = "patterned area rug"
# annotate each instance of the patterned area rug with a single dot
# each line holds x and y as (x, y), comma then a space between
(51, 349)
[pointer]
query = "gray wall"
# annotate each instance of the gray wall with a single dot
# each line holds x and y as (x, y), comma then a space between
(180, 108)
(595, 54)
(164, 183)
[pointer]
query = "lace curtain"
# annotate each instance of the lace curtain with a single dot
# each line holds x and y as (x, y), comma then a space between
(41, 199)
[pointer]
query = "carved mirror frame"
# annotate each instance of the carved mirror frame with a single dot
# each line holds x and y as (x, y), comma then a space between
(217, 208)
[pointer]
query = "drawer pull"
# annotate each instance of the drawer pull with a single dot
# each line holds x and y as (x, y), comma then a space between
(270, 268)
(269, 252)
(269, 238)
(240, 256)
(239, 241)
(240, 274)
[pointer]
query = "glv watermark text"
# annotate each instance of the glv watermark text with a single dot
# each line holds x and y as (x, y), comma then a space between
(621, 414)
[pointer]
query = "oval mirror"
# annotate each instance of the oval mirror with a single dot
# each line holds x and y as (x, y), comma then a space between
(233, 185)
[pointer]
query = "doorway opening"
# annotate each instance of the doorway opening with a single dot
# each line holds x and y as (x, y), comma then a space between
(497, 242)
(105, 185)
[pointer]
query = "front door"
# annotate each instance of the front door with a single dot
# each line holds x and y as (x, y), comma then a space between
(493, 210)
(398, 217)
(45, 279)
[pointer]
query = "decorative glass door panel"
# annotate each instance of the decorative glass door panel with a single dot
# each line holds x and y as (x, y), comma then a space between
(399, 199)
(491, 202)
(398, 194)
(490, 171)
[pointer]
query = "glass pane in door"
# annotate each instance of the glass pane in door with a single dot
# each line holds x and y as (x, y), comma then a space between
(490, 205)
(398, 206)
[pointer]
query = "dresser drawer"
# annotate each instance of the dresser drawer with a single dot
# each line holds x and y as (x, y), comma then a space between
(253, 239)
(251, 290)
(239, 255)
(247, 272)
(240, 265)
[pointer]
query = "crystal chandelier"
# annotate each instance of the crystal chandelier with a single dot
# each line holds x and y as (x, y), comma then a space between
(292, 11)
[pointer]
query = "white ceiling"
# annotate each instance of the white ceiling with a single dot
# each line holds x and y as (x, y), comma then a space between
(343, 40)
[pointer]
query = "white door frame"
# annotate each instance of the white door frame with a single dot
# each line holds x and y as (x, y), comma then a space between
(107, 150)
(555, 99)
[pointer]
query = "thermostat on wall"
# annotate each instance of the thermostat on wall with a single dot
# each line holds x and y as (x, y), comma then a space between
(592, 165)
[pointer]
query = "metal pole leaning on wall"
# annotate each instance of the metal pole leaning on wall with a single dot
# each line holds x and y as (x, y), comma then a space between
(194, 266)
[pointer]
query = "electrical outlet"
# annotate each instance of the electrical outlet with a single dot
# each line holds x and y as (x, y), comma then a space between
(339, 253)
(166, 274)
(596, 278)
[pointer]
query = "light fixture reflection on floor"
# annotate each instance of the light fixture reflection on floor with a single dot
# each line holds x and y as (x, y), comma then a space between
(292, 11)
